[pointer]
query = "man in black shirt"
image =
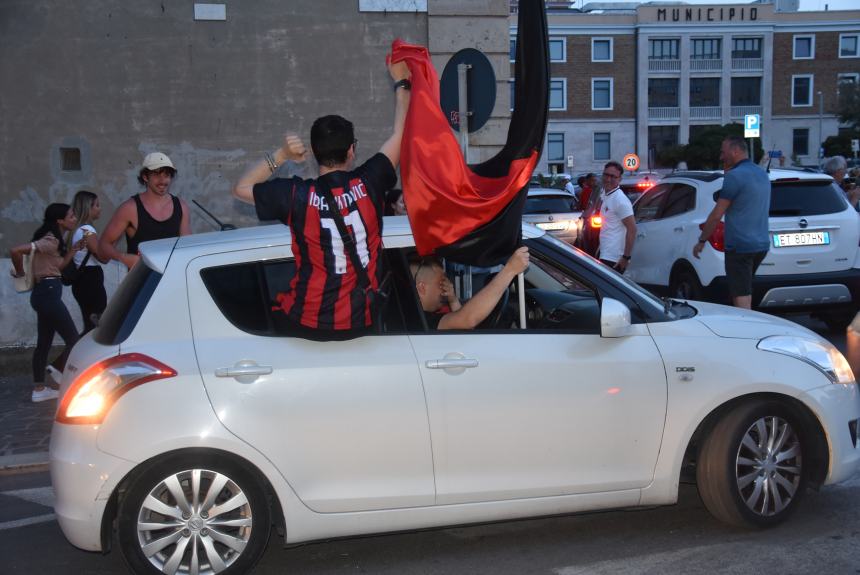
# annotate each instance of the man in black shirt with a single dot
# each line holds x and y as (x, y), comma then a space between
(435, 291)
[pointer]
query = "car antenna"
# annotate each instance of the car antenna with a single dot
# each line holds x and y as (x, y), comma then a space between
(770, 159)
(223, 227)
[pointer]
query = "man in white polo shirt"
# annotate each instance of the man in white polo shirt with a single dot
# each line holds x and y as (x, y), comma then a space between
(618, 231)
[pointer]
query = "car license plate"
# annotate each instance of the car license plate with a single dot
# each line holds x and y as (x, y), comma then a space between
(801, 239)
(552, 225)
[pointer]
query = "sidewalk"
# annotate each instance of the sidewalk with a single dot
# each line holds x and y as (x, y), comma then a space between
(25, 427)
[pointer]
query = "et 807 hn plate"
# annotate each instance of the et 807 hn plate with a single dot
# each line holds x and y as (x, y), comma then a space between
(801, 239)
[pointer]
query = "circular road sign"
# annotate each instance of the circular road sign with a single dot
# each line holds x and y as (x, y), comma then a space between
(480, 89)
(630, 162)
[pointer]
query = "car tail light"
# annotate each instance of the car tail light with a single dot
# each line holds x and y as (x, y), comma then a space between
(93, 393)
(645, 185)
(595, 221)
(718, 237)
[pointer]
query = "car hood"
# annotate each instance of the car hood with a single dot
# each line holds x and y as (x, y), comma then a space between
(726, 321)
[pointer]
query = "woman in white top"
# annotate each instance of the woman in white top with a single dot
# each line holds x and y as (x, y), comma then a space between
(89, 287)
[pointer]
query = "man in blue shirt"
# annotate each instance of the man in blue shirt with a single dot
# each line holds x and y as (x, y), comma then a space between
(745, 201)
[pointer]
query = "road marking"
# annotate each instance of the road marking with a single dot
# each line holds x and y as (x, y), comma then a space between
(41, 495)
(27, 521)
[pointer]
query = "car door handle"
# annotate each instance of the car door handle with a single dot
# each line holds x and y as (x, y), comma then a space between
(679, 228)
(449, 363)
(244, 370)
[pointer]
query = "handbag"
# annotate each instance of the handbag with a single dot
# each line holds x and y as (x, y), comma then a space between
(70, 274)
(25, 282)
(377, 298)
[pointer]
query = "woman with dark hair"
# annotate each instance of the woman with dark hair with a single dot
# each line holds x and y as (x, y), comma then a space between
(394, 203)
(89, 287)
(51, 255)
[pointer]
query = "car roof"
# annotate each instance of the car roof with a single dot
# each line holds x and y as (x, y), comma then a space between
(549, 192)
(157, 253)
(777, 174)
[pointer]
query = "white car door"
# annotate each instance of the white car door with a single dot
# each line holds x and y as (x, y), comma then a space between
(344, 422)
(542, 412)
(649, 247)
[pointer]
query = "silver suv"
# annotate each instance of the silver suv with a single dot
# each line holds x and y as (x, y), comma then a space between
(812, 265)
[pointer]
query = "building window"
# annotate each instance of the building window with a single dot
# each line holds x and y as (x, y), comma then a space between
(663, 92)
(602, 146)
(704, 92)
(800, 141)
(70, 159)
(849, 45)
(513, 91)
(663, 49)
(706, 49)
(557, 52)
(746, 91)
(555, 147)
(662, 137)
(601, 93)
(558, 94)
(513, 49)
(849, 78)
(804, 47)
(801, 90)
(601, 50)
(746, 48)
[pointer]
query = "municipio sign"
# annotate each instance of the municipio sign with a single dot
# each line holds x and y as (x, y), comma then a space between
(630, 162)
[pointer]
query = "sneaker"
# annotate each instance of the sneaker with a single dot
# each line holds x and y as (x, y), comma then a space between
(55, 374)
(44, 394)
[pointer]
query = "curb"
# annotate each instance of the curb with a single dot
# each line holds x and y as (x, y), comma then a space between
(24, 463)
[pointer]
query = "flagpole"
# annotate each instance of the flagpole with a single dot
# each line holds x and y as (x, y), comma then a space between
(521, 291)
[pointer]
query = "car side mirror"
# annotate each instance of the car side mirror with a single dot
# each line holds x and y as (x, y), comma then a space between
(614, 318)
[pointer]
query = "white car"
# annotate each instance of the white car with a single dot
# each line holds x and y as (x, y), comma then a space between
(553, 210)
(813, 264)
(189, 426)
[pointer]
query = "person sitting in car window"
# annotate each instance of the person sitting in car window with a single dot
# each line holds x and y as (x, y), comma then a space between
(436, 292)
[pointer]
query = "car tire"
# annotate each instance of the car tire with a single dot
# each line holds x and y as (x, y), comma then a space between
(685, 285)
(750, 471)
(164, 527)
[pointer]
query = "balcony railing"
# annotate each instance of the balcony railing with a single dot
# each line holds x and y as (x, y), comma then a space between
(706, 65)
(705, 112)
(741, 111)
(747, 64)
(664, 65)
(664, 113)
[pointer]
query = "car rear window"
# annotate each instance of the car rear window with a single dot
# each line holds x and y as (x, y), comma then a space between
(549, 204)
(127, 305)
(806, 198)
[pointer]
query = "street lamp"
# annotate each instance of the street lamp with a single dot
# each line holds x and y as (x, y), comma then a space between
(820, 124)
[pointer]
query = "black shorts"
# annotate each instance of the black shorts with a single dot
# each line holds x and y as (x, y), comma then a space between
(740, 269)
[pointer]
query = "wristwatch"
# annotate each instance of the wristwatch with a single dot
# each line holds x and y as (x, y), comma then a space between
(404, 83)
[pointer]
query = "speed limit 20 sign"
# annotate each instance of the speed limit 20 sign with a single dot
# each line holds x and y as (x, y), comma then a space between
(631, 162)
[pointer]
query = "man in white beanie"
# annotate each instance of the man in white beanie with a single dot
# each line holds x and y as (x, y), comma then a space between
(151, 215)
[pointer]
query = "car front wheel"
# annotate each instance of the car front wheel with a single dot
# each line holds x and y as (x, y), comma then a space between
(685, 285)
(195, 514)
(750, 471)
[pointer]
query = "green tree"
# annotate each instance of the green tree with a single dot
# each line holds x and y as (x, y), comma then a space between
(841, 145)
(703, 151)
(849, 104)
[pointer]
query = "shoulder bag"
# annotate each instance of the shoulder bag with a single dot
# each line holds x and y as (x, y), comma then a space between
(25, 282)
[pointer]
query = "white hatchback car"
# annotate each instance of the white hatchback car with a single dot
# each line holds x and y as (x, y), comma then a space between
(553, 210)
(190, 425)
(814, 260)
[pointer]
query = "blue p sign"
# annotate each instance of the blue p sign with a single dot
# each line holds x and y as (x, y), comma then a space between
(752, 125)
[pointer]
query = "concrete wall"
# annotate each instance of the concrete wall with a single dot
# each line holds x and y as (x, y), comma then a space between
(118, 79)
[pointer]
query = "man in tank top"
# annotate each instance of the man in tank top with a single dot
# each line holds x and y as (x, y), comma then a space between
(151, 215)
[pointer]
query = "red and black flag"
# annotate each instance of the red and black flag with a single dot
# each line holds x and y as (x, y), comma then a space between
(472, 213)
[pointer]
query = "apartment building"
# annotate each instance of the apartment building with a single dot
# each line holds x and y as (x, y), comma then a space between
(642, 78)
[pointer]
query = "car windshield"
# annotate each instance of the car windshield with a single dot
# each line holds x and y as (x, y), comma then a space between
(647, 297)
(561, 203)
(806, 198)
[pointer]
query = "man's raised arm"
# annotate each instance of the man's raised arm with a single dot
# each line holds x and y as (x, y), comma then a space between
(391, 147)
(293, 149)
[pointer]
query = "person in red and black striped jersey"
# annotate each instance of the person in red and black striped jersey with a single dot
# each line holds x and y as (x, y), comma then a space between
(325, 300)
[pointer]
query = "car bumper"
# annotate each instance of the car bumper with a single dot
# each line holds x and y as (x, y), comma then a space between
(796, 292)
(838, 409)
(83, 478)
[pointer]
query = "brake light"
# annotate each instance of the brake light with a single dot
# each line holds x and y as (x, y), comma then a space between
(596, 221)
(644, 185)
(718, 237)
(93, 393)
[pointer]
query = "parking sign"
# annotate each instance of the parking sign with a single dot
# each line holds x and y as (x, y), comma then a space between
(752, 126)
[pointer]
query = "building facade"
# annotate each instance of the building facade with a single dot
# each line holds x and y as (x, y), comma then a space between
(648, 77)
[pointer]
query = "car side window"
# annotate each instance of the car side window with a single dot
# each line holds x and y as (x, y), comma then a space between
(681, 199)
(247, 294)
(649, 205)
